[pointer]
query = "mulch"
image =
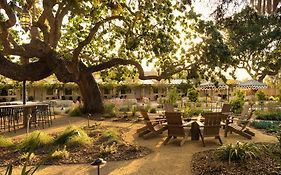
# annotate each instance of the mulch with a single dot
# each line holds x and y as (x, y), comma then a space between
(77, 155)
(207, 163)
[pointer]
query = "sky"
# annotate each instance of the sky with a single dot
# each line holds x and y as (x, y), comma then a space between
(203, 7)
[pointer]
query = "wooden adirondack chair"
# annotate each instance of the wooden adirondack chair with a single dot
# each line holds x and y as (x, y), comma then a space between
(226, 111)
(153, 127)
(176, 127)
(211, 126)
(241, 128)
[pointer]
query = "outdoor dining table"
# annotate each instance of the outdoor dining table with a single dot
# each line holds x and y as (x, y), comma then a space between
(27, 110)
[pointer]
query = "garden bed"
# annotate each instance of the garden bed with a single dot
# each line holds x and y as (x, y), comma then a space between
(268, 163)
(106, 143)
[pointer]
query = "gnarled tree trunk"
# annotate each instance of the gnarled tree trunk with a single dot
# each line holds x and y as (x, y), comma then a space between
(91, 94)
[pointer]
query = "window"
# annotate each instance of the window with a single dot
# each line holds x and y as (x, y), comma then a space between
(3, 92)
(50, 91)
(68, 91)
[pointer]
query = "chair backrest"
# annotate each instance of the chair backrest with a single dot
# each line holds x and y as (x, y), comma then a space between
(212, 123)
(225, 108)
(248, 120)
(169, 107)
(175, 127)
(245, 111)
(147, 121)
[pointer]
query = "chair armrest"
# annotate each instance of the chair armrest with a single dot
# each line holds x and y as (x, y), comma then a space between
(200, 123)
(187, 123)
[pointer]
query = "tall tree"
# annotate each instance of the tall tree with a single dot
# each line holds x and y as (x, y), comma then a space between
(73, 39)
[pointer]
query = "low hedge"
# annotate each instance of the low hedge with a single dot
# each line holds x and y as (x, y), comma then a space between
(266, 125)
(274, 115)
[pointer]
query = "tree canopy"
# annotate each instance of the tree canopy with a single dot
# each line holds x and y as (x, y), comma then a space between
(254, 42)
(73, 39)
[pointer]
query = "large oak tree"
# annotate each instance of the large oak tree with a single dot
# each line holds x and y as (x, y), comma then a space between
(74, 39)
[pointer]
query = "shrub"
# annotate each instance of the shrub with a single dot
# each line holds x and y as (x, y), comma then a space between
(112, 135)
(147, 107)
(109, 108)
(34, 140)
(5, 142)
(76, 110)
(267, 125)
(237, 152)
(237, 105)
(190, 112)
(73, 135)
(272, 115)
(27, 156)
(172, 96)
(124, 109)
(108, 149)
(134, 109)
(239, 95)
(260, 95)
(60, 154)
(153, 110)
(193, 95)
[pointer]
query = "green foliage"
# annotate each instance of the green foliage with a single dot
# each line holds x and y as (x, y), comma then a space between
(260, 95)
(34, 140)
(76, 110)
(191, 112)
(125, 108)
(238, 102)
(60, 154)
(251, 37)
(193, 95)
(147, 107)
(73, 136)
(266, 125)
(153, 110)
(278, 135)
(25, 170)
(172, 96)
(109, 110)
(112, 135)
(268, 115)
(134, 109)
(27, 156)
(239, 95)
(238, 152)
(5, 142)
(108, 149)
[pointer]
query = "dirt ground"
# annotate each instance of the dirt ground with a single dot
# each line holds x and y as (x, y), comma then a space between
(165, 160)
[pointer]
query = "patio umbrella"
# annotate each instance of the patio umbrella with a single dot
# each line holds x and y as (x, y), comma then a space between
(211, 86)
(252, 85)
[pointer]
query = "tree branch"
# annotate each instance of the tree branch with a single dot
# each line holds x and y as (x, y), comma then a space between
(90, 36)
(56, 28)
(117, 61)
(32, 72)
(12, 18)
